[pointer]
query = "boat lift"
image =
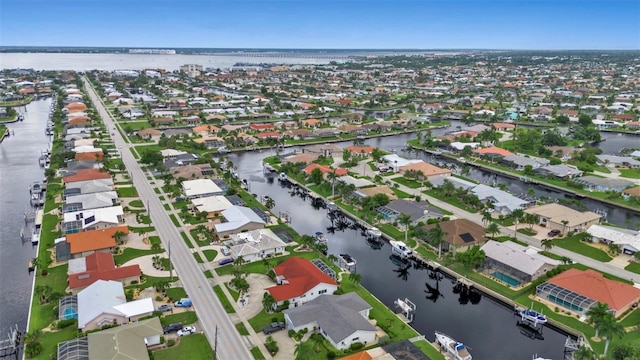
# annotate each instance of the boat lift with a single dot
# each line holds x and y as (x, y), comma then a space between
(406, 309)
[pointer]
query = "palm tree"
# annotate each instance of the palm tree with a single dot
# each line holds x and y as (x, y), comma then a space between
(332, 258)
(566, 260)
(270, 203)
(517, 216)
(486, 216)
(405, 220)
(596, 313)
(547, 244)
(493, 229)
(267, 264)
(564, 226)
(610, 328)
(269, 302)
(355, 278)
(305, 350)
(584, 353)
(436, 237)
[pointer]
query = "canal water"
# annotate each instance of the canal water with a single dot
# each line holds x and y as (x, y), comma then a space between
(19, 168)
(485, 325)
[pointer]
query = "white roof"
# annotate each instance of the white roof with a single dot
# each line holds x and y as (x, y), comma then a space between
(619, 236)
(75, 265)
(253, 242)
(83, 142)
(212, 203)
(108, 215)
(136, 307)
(199, 187)
(85, 148)
(93, 200)
(460, 145)
(392, 158)
(525, 259)
(98, 298)
(356, 181)
(500, 198)
(237, 216)
(171, 152)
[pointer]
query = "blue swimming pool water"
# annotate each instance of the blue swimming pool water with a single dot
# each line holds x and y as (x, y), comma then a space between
(506, 278)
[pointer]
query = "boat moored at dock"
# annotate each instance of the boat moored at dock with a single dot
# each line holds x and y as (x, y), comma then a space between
(400, 249)
(532, 316)
(320, 238)
(456, 349)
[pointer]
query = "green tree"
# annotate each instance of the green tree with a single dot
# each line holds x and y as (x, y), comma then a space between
(610, 328)
(305, 350)
(472, 257)
(585, 120)
(270, 203)
(118, 235)
(517, 214)
(486, 216)
(547, 244)
(595, 315)
(316, 176)
(405, 221)
(150, 157)
(268, 302)
(376, 154)
(493, 229)
(436, 237)
(355, 278)
(584, 353)
(32, 343)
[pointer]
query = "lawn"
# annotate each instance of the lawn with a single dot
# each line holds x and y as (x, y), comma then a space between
(151, 281)
(630, 173)
(174, 220)
(223, 299)
(131, 253)
(449, 200)
(401, 194)
(257, 354)
(190, 347)
(198, 258)
(234, 294)
(242, 329)
(258, 267)
(574, 244)
(427, 348)
(186, 318)
(186, 239)
(208, 274)
(210, 254)
(127, 192)
(51, 339)
(527, 231)
(633, 267)
(392, 231)
(411, 183)
(176, 293)
(43, 315)
(136, 203)
(263, 319)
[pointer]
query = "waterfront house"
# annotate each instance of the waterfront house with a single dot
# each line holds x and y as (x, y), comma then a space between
(360, 151)
(577, 290)
(87, 187)
(628, 240)
(238, 219)
(501, 201)
(341, 319)
(427, 170)
(594, 183)
(255, 245)
(191, 171)
(211, 142)
(461, 234)
(618, 161)
(325, 169)
(559, 171)
(457, 182)
(326, 150)
(508, 261)
(99, 266)
(303, 158)
(374, 190)
(631, 192)
(150, 134)
(417, 210)
(172, 153)
(90, 201)
(212, 205)
(492, 153)
(83, 220)
(300, 281)
(104, 303)
(84, 175)
(200, 188)
(88, 242)
(559, 217)
(520, 162)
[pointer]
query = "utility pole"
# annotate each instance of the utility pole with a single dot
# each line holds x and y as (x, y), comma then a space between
(170, 266)
(215, 345)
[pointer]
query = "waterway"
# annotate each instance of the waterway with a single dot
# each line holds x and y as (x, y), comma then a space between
(486, 326)
(19, 168)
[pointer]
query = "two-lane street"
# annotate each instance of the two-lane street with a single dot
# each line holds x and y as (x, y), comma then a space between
(207, 305)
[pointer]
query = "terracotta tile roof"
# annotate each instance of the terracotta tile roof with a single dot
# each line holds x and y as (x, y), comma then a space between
(101, 266)
(89, 156)
(311, 122)
(271, 134)
(594, 285)
(503, 126)
(493, 150)
(426, 168)
(84, 175)
(324, 169)
(205, 128)
(76, 106)
(301, 275)
(94, 239)
(261, 126)
(361, 149)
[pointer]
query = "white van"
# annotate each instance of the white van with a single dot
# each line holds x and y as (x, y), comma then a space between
(225, 251)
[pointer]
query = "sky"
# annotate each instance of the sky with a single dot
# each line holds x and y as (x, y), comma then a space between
(311, 24)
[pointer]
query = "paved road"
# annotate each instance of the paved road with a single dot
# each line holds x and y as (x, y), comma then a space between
(206, 303)
(477, 218)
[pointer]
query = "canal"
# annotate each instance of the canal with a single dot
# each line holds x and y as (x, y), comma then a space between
(19, 168)
(488, 327)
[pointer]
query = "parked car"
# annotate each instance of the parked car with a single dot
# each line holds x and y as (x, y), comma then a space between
(226, 261)
(183, 303)
(553, 233)
(172, 327)
(187, 330)
(163, 308)
(275, 326)
(225, 251)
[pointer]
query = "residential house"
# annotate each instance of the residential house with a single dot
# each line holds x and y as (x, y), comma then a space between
(83, 220)
(461, 234)
(428, 171)
(417, 210)
(84, 175)
(628, 240)
(212, 205)
(501, 201)
(578, 290)
(99, 266)
(205, 130)
(594, 183)
(341, 319)
(255, 245)
(104, 303)
(618, 161)
(88, 242)
(374, 190)
(298, 134)
(325, 169)
(523, 263)
(300, 281)
(238, 219)
(126, 342)
(631, 192)
(326, 150)
(87, 187)
(492, 153)
(520, 162)
(559, 171)
(360, 151)
(559, 217)
(150, 134)
(304, 158)
(211, 142)
(198, 188)
(90, 201)
(192, 171)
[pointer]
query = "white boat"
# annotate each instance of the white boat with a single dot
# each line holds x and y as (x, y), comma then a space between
(374, 232)
(348, 260)
(457, 349)
(532, 316)
(400, 248)
(320, 238)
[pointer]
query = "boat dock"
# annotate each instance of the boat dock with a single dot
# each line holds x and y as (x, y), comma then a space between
(11, 345)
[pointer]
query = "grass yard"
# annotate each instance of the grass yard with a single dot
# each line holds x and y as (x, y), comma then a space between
(257, 354)
(127, 192)
(401, 194)
(263, 319)
(136, 203)
(630, 173)
(208, 274)
(527, 231)
(186, 318)
(186, 239)
(234, 294)
(51, 339)
(130, 254)
(575, 244)
(174, 220)
(194, 346)
(198, 258)
(176, 293)
(411, 183)
(223, 299)
(449, 200)
(242, 329)
(633, 267)
(210, 254)
(427, 348)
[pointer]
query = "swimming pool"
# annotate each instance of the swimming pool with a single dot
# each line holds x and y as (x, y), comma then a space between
(70, 313)
(505, 278)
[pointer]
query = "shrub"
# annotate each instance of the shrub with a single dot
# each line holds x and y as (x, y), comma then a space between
(356, 346)
(44, 272)
(65, 323)
(171, 342)
(384, 340)
(331, 355)
(291, 333)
